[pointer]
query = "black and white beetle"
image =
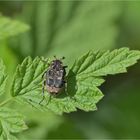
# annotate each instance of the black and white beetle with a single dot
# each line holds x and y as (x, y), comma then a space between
(54, 77)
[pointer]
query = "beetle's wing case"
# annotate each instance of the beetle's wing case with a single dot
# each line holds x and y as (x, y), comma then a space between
(50, 73)
(50, 77)
(50, 82)
(58, 83)
(58, 79)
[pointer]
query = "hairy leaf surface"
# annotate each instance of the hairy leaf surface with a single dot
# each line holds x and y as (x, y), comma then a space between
(3, 77)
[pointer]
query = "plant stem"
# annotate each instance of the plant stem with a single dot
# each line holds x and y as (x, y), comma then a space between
(5, 102)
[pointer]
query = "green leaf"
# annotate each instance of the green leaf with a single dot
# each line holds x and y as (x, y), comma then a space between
(27, 88)
(86, 97)
(107, 62)
(10, 122)
(3, 77)
(85, 75)
(83, 80)
(9, 27)
(27, 83)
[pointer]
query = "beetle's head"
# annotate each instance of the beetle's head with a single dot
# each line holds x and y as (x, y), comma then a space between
(57, 64)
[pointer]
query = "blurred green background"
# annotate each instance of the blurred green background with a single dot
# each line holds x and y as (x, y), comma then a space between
(71, 28)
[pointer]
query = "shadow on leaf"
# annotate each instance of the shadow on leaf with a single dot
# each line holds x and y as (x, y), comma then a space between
(71, 83)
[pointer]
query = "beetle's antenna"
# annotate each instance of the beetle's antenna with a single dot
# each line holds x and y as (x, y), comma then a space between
(63, 58)
(55, 56)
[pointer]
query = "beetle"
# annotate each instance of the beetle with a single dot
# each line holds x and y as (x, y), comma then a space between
(54, 77)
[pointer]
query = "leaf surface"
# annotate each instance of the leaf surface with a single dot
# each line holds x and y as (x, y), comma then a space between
(3, 77)
(10, 122)
(83, 79)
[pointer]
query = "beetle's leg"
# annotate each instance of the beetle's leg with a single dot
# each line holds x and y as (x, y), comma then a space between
(44, 74)
(50, 97)
(43, 90)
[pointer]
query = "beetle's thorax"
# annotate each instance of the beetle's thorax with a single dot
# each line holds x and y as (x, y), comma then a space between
(56, 64)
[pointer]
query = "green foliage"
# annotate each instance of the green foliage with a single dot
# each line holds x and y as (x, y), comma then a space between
(83, 80)
(3, 77)
(68, 27)
(41, 123)
(9, 27)
(27, 83)
(69, 132)
(27, 88)
(10, 122)
(104, 63)
(121, 105)
(89, 28)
